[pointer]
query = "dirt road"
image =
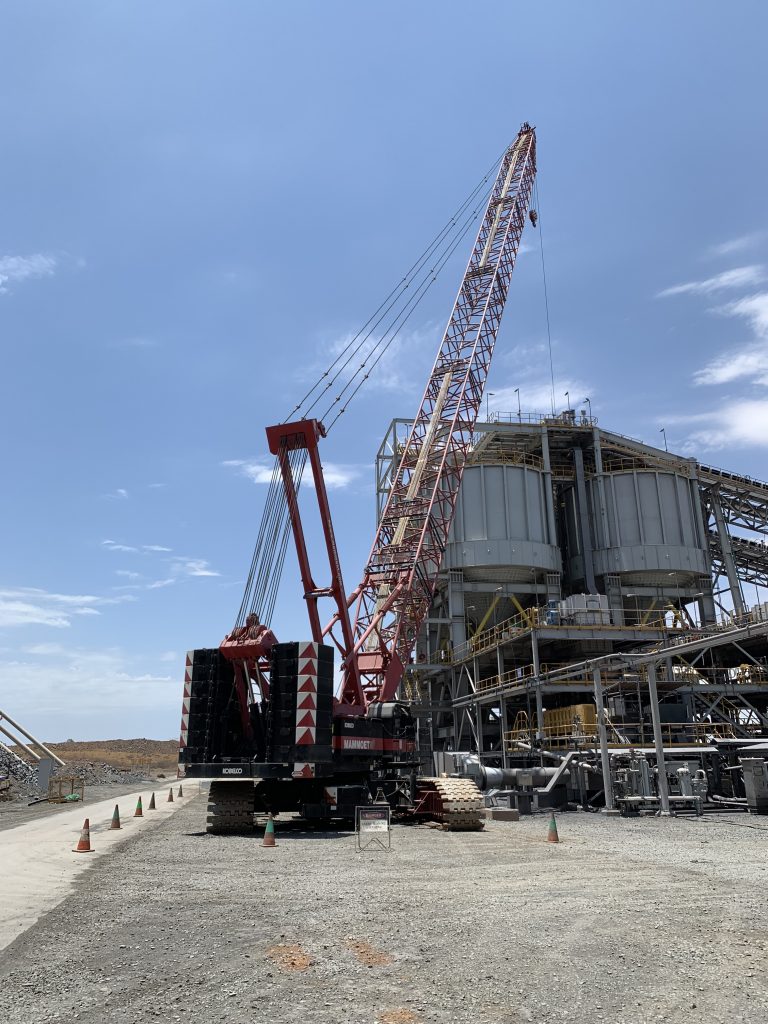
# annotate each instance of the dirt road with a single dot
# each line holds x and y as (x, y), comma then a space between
(38, 866)
(623, 922)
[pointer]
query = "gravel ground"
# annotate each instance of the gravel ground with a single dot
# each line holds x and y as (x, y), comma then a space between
(626, 922)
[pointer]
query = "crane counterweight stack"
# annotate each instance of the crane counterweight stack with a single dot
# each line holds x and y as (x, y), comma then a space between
(254, 706)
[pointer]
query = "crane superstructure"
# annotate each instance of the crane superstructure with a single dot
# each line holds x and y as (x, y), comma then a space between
(374, 628)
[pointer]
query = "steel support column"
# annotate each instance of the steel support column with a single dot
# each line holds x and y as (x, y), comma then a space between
(658, 741)
(602, 734)
(729, 563)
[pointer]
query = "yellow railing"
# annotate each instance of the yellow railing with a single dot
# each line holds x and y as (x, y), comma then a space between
(625, 734)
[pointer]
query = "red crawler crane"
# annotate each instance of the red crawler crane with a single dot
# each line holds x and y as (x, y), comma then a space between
(391, 601)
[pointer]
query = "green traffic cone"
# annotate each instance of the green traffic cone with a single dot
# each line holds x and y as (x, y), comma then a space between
(269, 832)
(552, 836)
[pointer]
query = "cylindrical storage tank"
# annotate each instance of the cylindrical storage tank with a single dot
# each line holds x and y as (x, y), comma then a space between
(501, 524)
(649, 526)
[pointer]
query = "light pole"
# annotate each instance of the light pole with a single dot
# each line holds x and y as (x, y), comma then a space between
(488, 394)
(467, 618)
(663, 431)
(519, 414)
(590, 408)
(568, 399)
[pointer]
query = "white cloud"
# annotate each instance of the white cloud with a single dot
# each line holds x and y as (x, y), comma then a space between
(55, 689)
(752, 308)
(158, 584)
(129, 575)
(749, 362)
(31, 606)
(735, 245)
(336, 475)
(24, 613)
(118, 495)
(15, 269)
(741, 422)
(190, 567)
(739, 277)
(112, 545)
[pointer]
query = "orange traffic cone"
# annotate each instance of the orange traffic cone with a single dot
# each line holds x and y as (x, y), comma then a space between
(552, 836)
(170, 796)
(269, 832)
(151, 804)
(181, 791)
(84, 842)
(116, 818)
(138, 813)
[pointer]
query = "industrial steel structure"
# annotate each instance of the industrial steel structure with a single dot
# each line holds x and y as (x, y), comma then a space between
(592, 596)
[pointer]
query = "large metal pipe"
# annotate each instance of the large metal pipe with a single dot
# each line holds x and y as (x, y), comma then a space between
(30, 737)
(19, 743)
(499, 778)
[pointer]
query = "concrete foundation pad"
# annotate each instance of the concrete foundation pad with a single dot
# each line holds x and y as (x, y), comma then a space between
(502, 814)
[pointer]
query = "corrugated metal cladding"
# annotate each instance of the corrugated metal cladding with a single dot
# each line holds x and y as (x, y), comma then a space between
(649, 524)
(501, 520)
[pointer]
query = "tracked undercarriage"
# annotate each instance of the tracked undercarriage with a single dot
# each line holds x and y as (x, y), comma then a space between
(456, 804)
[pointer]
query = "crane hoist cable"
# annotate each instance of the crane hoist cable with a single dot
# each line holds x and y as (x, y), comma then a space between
(445, 240)
(268, 558)
(401, 317)
(537, 201)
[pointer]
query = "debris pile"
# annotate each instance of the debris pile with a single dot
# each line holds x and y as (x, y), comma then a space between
(13, 767)
(99, 773)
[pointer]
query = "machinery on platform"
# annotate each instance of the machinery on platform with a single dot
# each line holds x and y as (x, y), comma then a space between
(260, 717)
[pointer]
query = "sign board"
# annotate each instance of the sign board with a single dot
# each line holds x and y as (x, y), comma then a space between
(372, 827)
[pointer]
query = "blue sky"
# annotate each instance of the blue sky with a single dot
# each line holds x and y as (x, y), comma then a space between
(201, 199)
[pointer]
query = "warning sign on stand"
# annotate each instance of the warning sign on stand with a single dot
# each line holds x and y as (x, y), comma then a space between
(372, 827)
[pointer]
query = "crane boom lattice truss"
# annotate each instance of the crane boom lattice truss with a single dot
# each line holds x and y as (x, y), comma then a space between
(400, 578)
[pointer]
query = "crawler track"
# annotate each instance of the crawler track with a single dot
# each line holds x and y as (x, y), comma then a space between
(456, 803)
(230, 807)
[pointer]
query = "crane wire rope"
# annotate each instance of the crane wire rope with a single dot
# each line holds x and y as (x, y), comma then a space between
(269, 553)
(537, 201)
(444, 238)
(401, 316)
(396, 327)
